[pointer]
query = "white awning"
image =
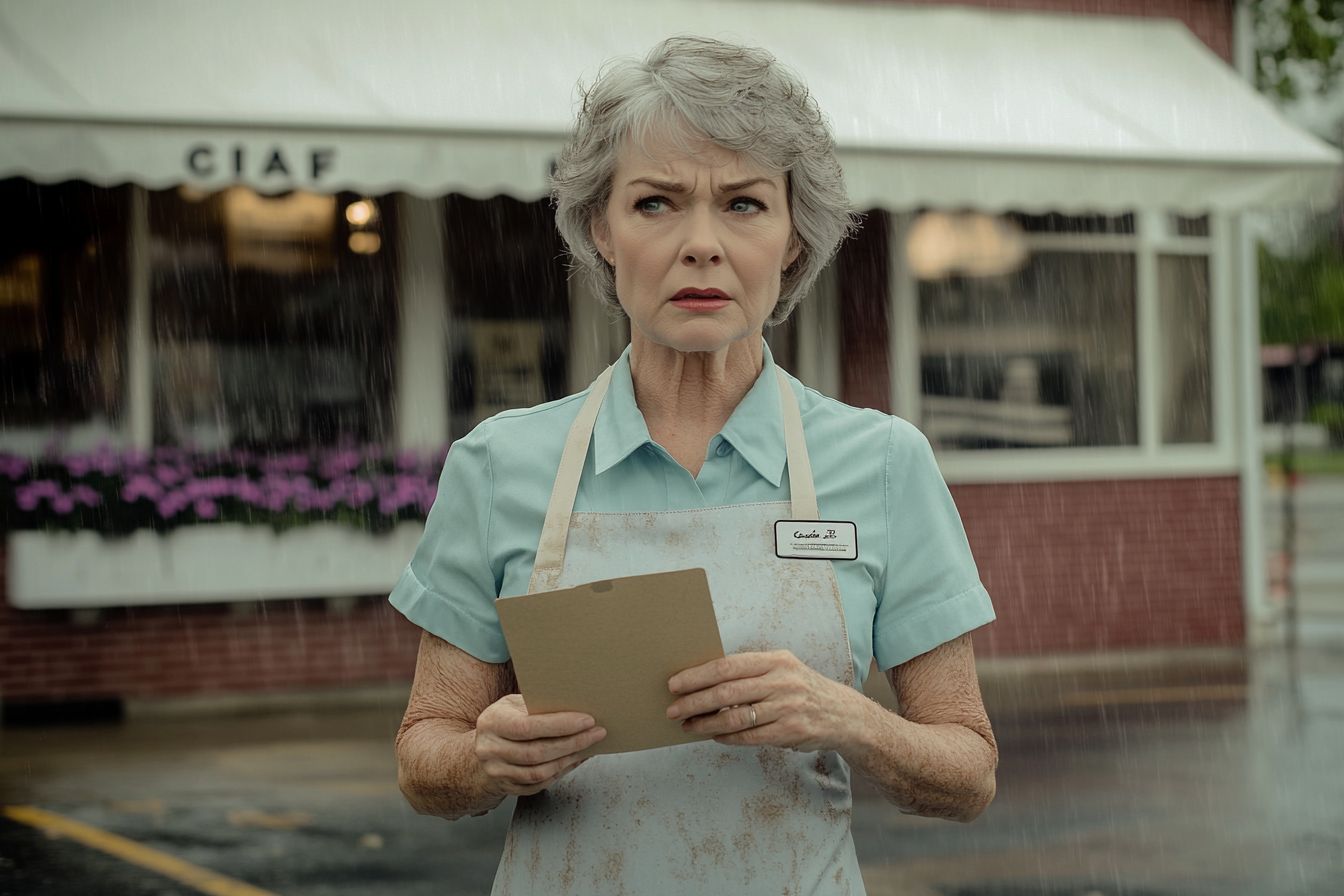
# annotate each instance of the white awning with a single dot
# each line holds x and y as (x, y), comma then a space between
(944, 107)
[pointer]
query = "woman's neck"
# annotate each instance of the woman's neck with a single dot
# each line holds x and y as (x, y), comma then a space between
(687, 397)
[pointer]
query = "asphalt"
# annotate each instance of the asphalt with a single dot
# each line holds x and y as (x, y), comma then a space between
(1150, 774)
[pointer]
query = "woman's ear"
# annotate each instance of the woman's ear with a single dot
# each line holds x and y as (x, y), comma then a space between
(601, 234)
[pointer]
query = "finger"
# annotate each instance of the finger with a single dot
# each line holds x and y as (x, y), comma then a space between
(534, 778)
(724, 695)
(739, 665)
(730, 720)
(523, 754)
(772, 733)
(525, 727)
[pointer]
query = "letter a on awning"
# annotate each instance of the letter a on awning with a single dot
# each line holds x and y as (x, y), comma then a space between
(932, 107)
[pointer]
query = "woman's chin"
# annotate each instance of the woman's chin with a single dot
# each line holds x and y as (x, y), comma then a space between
(693, 337)
(698, 340)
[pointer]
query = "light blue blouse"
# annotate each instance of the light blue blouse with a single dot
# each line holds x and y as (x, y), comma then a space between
(914, 585)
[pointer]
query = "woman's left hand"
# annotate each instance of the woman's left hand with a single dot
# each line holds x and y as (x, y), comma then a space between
(794, 705)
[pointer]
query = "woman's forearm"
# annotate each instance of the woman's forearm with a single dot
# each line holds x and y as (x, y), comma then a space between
(438, 772)
(935, 770)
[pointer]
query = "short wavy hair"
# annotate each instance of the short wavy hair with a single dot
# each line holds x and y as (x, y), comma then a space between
(696, 89)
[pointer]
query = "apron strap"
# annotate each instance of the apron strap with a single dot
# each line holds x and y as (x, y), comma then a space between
(802, 490)
(555, 531)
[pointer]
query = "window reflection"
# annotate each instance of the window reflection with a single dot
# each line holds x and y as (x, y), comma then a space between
(509, 303)
(1041, 357)
(1183, 308)
(273, 328)
(62, 302)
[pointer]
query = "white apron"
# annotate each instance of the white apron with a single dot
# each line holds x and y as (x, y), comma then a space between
(695, 818)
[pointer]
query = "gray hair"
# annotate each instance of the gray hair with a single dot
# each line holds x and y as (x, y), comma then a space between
(737, 97)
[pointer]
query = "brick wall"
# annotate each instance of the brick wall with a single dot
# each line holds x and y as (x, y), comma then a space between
(1085, 566)
(1072, 566)
(1209, 20)
(164, 651)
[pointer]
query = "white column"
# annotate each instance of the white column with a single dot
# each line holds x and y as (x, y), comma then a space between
(1260, 614)
(139, 411)
(422, 343)
(1148, 336)
(903, 326)
(595, 339)
(816, 322)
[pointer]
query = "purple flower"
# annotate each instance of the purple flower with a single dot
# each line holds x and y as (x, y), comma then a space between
(86, 496)
(340, 463)
(141, 486)
(13, 466)
(206, 509)
(170, 475)
(172, 504)
(62, 503)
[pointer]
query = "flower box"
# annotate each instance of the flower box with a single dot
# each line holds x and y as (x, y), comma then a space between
(223, 562)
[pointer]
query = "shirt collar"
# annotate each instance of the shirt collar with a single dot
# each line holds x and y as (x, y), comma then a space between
(755, 429)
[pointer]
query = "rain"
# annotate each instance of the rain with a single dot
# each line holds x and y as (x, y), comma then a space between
(262, 266)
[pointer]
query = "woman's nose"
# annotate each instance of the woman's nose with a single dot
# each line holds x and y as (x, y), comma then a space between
(702, 244)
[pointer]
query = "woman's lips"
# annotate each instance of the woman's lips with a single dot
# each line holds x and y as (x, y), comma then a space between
(693, 299)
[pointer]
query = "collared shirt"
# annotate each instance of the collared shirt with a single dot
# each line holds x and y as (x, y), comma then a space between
(913, 587)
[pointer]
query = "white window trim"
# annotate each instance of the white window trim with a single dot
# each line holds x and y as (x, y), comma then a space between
(1149, 458)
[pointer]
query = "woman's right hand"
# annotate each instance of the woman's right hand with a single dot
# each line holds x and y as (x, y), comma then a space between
(522, 754)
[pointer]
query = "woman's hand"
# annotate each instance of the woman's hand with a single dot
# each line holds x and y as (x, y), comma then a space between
(522, 754)
(794, 706)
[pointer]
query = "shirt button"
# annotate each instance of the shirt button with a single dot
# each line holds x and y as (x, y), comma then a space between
(724, 448)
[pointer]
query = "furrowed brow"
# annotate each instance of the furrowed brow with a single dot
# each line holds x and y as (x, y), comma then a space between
(666, 186)
(743, 184)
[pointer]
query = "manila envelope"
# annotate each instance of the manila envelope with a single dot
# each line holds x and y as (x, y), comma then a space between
(608, 649)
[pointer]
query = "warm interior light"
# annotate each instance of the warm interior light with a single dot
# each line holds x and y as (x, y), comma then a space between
(283, 234)
(364, 243)
(190, 193)
(970, 243)
(361, 213)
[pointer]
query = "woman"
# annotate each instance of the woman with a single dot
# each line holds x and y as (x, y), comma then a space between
(701, 191)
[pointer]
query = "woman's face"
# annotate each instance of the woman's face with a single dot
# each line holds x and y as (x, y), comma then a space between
(699, 244)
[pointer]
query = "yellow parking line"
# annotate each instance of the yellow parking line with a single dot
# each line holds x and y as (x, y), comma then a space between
(183, 872)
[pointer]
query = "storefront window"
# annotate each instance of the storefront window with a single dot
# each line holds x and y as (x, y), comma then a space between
(1183, 310)
(275, 318)
(1040, 356)
(62, 303)
(509, 306)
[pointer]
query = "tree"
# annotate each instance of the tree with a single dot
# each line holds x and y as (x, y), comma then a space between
(1299, 46)
(1302, 298)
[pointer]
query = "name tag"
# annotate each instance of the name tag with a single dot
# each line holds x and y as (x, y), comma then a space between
(816, 540)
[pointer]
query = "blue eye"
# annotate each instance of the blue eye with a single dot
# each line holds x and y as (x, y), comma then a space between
(651, 204)
(745, 205)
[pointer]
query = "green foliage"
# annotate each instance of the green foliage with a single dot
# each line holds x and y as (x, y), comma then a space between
(1299, 46)
(1331, 416)
(1302, 299)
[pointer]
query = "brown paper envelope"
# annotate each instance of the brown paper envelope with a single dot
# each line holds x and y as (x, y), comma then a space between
(608, 649)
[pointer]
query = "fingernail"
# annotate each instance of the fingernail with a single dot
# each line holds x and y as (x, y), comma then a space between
(601, 733)
(673, 712)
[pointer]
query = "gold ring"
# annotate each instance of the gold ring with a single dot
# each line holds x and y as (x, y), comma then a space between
(753, 715)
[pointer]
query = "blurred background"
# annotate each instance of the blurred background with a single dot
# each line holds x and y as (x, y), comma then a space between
(260, 264)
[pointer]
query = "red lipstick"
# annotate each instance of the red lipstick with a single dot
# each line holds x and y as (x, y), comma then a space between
(696, 299)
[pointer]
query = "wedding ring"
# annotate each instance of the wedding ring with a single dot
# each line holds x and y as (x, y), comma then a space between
(753, 715)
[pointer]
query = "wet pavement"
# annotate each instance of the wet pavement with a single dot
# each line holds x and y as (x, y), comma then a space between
(1151, 774)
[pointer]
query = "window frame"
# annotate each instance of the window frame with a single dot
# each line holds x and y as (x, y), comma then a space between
(1154, 236)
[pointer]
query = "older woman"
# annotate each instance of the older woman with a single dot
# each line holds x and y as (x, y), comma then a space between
(701, 192)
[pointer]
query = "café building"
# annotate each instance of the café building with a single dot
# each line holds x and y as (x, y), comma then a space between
(298, 225)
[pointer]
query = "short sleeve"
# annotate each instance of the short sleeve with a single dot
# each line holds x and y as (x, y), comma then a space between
(449, 587)
(931, 592)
